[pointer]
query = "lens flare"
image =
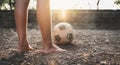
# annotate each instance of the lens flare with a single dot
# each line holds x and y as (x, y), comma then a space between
(63, 15)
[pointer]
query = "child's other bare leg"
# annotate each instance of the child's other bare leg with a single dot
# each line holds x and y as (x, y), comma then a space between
(21, 16)
(44, 20)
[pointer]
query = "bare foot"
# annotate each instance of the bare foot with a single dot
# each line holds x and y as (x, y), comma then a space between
(23, 47)
(52, 49)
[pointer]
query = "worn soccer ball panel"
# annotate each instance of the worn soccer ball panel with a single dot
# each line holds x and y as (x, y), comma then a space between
(63, 33)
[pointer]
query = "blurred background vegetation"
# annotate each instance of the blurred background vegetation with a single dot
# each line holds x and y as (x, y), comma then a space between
(9, 4)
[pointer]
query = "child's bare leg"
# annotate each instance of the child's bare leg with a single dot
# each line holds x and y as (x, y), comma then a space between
(21, 16)
(44, 20)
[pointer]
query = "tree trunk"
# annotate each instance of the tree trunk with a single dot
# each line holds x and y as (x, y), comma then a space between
(98, 4)
(1, 1)
(10, 3)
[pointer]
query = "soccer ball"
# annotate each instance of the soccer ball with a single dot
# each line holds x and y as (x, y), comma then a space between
(63, 33)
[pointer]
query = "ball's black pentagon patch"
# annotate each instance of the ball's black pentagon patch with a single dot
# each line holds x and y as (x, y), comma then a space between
(62, 27)
(57, 38)
(70, 36)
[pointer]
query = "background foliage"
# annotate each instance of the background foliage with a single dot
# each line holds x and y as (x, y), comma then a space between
(9, 4)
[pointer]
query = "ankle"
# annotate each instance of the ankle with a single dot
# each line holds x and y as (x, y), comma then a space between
(23, 40)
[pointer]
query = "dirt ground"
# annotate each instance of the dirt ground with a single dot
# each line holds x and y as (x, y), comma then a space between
(92, 47)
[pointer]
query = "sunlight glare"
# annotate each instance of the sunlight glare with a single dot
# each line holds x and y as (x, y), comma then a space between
(77, 4)
(61, 4)
(63, 14)
(81, 4)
